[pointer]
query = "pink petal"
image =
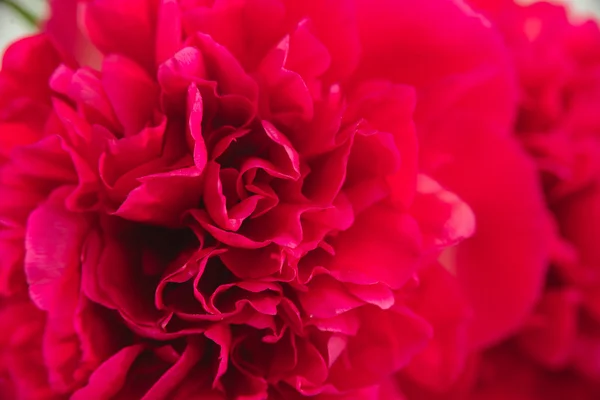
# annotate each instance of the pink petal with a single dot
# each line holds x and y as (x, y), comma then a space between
(107, 22)
(391, 337)
(501, 285)
(195, 105)
(327, 298)
(168, 30)
(110, 377)
(159, 198)
(52, 248)
(133, 94)
(445, 219)
(253, 264)
(382, 246)
(216, 203)
(175, 375)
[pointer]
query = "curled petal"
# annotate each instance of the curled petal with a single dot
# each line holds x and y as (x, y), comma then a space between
(110, 377)
(133, 95)
(158, 199)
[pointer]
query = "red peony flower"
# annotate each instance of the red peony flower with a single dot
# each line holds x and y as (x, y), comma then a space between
(248, 200)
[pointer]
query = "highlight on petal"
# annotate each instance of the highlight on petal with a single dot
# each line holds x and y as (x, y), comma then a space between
(52, 244)
(501, 285)
(445, 218)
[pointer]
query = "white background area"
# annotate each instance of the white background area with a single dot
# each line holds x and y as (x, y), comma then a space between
(12, 26)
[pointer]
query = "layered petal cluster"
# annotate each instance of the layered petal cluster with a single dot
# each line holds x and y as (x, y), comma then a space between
(218, 212)
(252, 199)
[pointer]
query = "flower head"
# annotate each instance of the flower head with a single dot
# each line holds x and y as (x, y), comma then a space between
(248, 199)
